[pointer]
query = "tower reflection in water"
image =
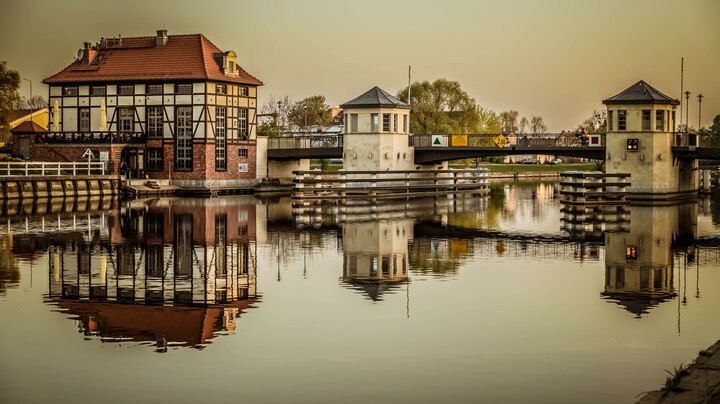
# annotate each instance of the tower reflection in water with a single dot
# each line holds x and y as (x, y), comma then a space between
(176, 272)
(640, 262)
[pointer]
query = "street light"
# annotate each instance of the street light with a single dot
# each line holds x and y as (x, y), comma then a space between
(305, 108)
(30, 100)
(700, 97)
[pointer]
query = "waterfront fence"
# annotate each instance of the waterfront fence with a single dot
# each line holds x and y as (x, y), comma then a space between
(44, 169)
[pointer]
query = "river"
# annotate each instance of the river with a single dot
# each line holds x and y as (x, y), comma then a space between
(499, 298)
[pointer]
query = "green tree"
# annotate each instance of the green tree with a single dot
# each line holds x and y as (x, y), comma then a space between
(9, 97)
(714, 131)
(311, 111)
(441, 107)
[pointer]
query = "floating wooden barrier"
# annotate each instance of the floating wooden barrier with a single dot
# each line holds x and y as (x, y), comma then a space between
(340, 186)
(37, 179)
(594, 189)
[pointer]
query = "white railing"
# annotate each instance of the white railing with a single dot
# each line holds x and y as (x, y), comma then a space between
(43, 169)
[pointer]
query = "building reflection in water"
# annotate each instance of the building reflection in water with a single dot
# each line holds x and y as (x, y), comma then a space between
(172, 271)
(640, 263)
(375, 255)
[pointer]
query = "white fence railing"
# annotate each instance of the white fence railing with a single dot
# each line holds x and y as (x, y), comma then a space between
(43, 169)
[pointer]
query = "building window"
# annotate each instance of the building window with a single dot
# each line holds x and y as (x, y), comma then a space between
(243, 153)
(659, 120)
(155, 122)
(126, 120)
(646, 113)
(622, 120)
(405, 122)
(353, 123)
(155, 159)
(610, 121)
(84, 119)
(183, 139)
(154, 89)
(243, 123)
(220, 139)
(673, 122)
(221, 89)
(185, 88)
(98, 90)
(395, 127)
(71, 91)
(386, 122)
(126, 89)
(243, 91)
(374, 121)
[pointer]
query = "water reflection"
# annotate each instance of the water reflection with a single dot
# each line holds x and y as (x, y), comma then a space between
(176, 272)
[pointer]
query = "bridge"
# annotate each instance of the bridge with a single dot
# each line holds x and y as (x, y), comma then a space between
(430, 149)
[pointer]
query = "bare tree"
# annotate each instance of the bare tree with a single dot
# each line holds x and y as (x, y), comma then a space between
(35, 102)
(537, 125)
(509, 121)
(281, 105)
(523, 124)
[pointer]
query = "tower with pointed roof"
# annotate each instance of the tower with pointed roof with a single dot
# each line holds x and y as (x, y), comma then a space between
(640, 137)
(376, 132)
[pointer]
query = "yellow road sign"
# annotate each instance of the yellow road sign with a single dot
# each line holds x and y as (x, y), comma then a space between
(459, 140)
(500, 141)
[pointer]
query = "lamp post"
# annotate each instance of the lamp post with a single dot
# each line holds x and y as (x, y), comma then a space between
(305, 108)
(687, 111)
(30, 100)
(700, 97)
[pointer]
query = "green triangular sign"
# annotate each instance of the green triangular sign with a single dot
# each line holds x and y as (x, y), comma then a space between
(437, 141)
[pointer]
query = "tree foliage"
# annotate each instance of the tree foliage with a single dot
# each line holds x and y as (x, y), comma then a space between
(9, 97)
(509, 121)
(442, 107)
(595, 123)
(35, 102)
(537, 125)
(311, 111)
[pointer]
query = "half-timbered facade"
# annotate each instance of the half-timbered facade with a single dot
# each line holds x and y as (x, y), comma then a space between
(165, 107)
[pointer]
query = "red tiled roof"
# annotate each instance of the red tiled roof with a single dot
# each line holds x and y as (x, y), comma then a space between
(183, 57)
(28, 127)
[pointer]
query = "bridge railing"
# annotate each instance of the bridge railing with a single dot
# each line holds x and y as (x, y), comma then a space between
(305, 141)
(91, 137)
(548, 140)
(43, 169)
(695, 140)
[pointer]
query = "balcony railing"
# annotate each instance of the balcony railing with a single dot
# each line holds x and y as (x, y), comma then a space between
(91, 137)
(305, 142)
(43, 169)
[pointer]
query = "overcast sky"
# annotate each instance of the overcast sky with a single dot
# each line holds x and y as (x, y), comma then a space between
(557, 59)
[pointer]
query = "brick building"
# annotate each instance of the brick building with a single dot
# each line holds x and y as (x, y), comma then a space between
(164, 107)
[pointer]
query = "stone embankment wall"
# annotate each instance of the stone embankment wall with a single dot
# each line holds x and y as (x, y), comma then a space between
(52, 187)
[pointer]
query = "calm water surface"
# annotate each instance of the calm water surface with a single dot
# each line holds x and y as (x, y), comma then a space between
(499, 298)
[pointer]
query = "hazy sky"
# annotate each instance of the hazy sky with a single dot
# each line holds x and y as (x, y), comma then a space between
(557, 59)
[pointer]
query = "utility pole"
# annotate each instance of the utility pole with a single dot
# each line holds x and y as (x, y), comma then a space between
(682, 70)
(687, 112)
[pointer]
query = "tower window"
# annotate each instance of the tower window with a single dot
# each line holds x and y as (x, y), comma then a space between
(622, 120)
(659, 120)
(646, 113)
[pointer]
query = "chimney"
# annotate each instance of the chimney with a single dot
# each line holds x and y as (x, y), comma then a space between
(88, 53)
(161, 38)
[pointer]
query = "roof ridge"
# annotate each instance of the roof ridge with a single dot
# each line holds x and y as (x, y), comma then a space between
(202, 50)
